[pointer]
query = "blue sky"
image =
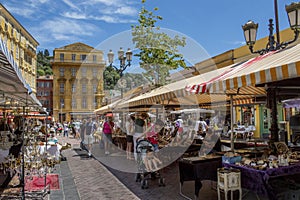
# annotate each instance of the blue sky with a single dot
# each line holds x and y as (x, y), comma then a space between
(211, 27)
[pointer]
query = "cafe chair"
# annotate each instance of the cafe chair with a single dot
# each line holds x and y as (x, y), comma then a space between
(229, 180)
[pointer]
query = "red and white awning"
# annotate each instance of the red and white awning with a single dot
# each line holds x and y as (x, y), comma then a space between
(271, 67)
(214, 86)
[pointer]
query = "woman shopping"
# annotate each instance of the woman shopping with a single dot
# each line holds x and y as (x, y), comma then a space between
(108, 129)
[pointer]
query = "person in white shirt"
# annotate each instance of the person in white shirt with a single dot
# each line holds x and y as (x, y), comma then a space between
(203, 127)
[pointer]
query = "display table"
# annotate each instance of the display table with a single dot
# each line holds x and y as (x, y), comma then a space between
(198, 169)
(270, 182)
(52, 149)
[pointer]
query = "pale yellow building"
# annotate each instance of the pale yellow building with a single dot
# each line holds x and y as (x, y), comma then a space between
(21, 45)
(77, 81)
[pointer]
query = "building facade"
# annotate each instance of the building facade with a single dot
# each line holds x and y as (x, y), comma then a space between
(77, 81)
(44, 93)
(21, 45)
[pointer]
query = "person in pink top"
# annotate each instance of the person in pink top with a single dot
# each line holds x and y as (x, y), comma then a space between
(108, 129)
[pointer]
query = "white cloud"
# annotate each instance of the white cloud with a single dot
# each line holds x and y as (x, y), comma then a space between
(126, 11)
(105, 2)
(111, 19)
(24, 12)
(74, 15)
(63, 30)
(69, 3)
(35, 3)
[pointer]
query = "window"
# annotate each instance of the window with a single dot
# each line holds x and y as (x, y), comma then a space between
(95, 88)
(47, 84)
(47, 102)
(73, 57)
(17, 52)
(74, 103)
(95, 72)
(62, 103)
(83, 89)
(12, 47)
(82, 57)
(61, 71)
(61, 57)
(73, 88)
(46, 93)
(61, 87)
(40, 84)
(5, 39)
(94, 58)
(83, 72)
(73, 72)
(84, 105)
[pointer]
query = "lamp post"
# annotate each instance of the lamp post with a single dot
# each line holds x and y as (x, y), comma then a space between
(125, 61)
(122, 59)
(250, 31)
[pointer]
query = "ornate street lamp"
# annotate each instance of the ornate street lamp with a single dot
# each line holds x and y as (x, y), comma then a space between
(123, 65)
(122, 59)
(250, 31)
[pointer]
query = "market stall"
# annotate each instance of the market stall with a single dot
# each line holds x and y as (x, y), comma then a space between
(20, 136)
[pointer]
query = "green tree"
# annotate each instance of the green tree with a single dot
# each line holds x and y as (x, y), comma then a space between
(40, 72)
(43, 63)
(111, 77)
(46, 53)
(158, 52)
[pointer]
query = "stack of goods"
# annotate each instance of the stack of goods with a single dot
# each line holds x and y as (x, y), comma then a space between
(271, 161)
(231, 158)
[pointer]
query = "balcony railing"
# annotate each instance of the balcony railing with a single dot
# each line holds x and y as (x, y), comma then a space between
(76, 61)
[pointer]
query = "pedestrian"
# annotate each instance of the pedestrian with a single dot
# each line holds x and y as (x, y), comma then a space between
(108, 130)
(82, 130)
(201, 127)
(90, 127)
(139, 129)
(66, 129)
(129, 135)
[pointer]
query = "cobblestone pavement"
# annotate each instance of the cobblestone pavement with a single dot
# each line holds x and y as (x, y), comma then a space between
(91, 180)
(99, 178)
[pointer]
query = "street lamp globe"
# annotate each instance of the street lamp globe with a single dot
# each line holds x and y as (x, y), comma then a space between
(129, 55)
(250, 31)
(293, 11)
(121, 54)
(110, 56)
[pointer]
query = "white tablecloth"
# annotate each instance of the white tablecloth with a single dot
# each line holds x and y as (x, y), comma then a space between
(52, 149)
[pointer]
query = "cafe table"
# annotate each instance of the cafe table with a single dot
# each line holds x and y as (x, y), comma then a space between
(270, 182)
(198, 169)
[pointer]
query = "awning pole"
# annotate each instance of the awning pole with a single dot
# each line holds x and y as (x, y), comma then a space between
(231, 124)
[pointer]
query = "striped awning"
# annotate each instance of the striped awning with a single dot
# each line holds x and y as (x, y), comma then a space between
(240, 80)
(176, 93)
(12, 83)
(271, 67)
(107, 108)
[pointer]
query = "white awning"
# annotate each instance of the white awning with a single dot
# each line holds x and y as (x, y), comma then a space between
(12, 83)
(271, 67)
